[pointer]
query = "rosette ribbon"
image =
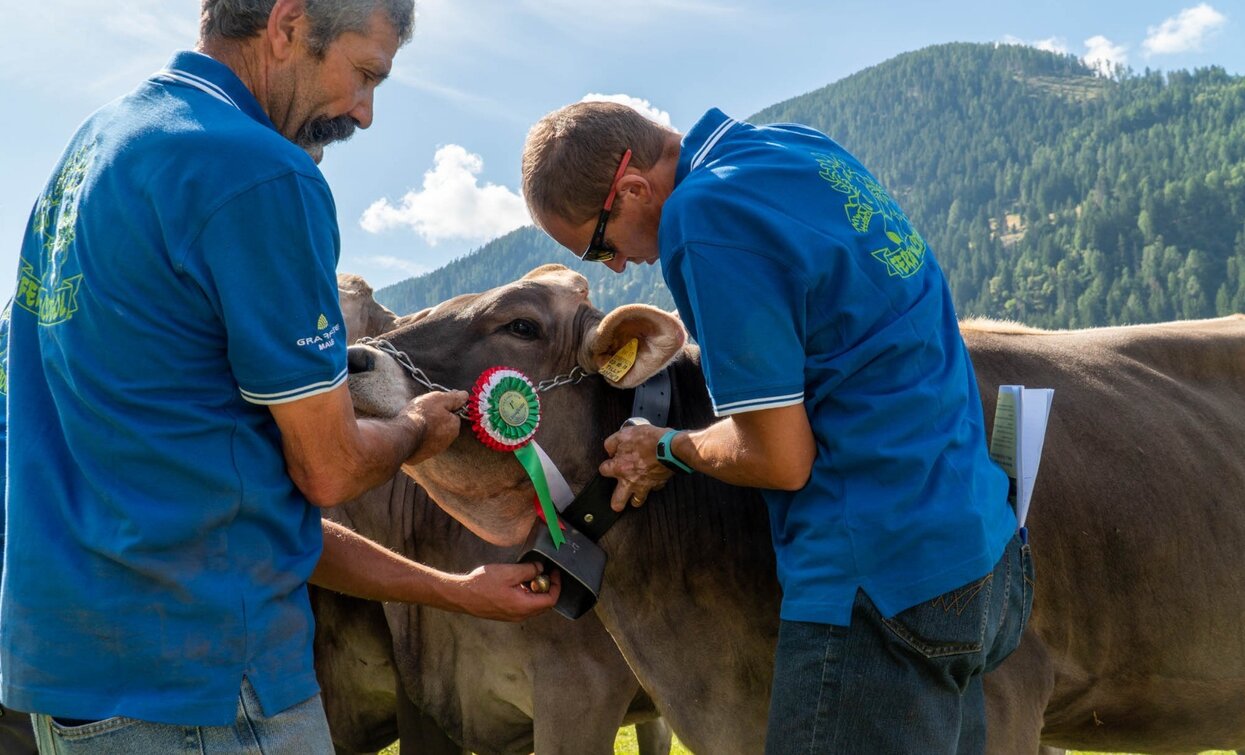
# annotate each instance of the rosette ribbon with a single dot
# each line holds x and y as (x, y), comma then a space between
(504, 410)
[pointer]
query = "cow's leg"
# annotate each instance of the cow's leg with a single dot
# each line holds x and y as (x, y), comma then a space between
(1016, 696)
(354, 664)
(585, 722)
(588, 727)
(654, 737)
(419, 734)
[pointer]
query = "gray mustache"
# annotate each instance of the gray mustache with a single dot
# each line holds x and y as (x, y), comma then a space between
(321, 131)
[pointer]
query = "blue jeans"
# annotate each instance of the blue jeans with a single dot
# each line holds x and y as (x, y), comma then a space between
(300, 730)
(907, 684)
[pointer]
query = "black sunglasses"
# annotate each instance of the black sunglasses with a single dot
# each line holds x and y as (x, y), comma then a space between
(598, 250)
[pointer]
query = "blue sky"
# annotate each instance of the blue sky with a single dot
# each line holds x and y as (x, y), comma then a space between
(437, 174)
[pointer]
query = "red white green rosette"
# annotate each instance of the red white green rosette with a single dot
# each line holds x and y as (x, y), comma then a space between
(504, 410)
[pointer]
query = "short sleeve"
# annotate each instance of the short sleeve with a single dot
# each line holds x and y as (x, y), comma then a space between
(4, 419)
(268, 257)
(747, 312)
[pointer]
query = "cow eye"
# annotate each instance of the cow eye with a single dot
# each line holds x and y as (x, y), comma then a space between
(525, 329)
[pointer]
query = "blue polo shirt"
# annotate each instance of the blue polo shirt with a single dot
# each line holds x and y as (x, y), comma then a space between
(805, 283)
(176, 278)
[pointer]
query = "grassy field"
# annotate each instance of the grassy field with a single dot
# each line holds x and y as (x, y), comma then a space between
(625, 745)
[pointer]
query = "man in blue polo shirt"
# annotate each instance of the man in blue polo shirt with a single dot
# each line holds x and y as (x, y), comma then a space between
(177, 407)
(833, 355)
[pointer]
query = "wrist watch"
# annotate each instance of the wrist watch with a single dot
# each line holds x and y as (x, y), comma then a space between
(665, 453)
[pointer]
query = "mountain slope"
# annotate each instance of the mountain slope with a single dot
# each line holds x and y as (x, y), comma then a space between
(1049, 194)
(511, 257)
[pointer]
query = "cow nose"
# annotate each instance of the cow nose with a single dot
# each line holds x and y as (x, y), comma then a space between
(359, 359)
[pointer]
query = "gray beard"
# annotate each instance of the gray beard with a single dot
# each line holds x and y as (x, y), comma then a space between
(317, 133)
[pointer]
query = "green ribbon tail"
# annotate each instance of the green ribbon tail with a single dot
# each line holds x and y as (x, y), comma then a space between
(531, 462)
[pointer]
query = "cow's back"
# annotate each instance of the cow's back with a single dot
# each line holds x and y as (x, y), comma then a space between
(1136, 521)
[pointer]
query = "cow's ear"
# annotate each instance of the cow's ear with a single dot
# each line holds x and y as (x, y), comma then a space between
(659, 337)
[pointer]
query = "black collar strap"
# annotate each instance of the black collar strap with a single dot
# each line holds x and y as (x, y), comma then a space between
(590, 512)
(589, 517)
(652, 399)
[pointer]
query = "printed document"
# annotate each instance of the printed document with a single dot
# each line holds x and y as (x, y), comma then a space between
(1016, 445)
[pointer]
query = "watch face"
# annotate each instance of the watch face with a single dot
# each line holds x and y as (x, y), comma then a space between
(663, 455)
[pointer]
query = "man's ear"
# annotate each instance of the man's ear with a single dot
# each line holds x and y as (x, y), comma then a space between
(635, 185)
(285, 23)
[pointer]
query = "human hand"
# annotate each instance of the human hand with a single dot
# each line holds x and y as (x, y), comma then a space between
(434, 413)
(633, 462)
(502, 592)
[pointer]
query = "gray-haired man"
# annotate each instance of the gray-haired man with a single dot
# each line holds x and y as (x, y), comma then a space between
(177, 406)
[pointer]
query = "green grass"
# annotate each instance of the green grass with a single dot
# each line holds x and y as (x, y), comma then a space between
(625, 745)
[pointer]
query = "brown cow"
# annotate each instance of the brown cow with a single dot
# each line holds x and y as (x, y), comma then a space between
(547, 684)
(1135, 642)
(494, 687)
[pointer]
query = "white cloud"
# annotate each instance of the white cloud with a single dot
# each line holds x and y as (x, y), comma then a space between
(1050, 44)
(1183, 32)
(644, 106)
(452, 204)
(1102, 54)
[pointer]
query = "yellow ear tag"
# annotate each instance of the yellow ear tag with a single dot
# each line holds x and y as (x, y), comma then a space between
(621, 363)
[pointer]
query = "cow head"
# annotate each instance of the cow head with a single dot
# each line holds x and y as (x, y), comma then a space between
(363, 315)
(542, 325)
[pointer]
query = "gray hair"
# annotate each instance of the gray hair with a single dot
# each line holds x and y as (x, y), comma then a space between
(240, 19)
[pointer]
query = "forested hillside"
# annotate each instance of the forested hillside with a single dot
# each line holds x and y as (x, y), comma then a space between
(1049, 194)
(511, 257)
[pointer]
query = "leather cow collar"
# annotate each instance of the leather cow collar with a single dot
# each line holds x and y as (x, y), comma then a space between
(588, 517)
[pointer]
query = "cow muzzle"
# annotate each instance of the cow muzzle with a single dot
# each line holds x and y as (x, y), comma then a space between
(360, 359)
(378, 385)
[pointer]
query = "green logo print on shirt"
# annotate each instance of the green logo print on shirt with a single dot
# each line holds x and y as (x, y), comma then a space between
(52, 297)
(866, 199)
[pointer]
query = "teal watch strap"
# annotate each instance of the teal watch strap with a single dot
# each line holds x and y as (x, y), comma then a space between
(665, 453)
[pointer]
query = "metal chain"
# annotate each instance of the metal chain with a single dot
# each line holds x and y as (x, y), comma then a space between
(576, 374)
(402, 359)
